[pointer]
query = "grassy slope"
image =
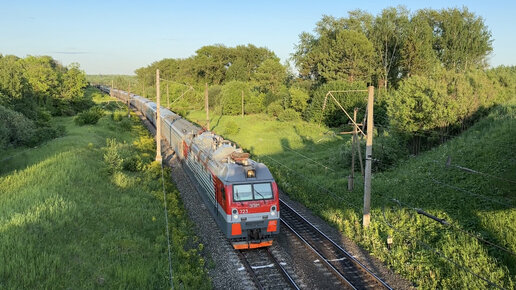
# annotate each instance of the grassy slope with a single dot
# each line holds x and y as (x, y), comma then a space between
(302, 156)
(66, 223)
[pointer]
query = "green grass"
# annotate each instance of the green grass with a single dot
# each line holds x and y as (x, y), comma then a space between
(305, 160)
(66, 222)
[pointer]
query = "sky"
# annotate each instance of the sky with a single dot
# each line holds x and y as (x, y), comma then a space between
(117, 37)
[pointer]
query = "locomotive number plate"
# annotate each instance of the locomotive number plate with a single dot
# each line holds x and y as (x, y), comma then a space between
(243, 211)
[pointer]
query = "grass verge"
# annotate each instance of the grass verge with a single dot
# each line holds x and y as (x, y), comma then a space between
(68, 221)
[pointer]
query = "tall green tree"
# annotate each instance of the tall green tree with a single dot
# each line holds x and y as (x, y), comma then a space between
(387, 36)
(462, 40)
(417, 53)
(74, 82)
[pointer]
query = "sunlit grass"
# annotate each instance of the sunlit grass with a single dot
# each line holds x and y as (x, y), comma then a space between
(306, 162)
(66, 223)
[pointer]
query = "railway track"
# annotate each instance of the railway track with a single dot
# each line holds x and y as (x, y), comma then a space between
(342, 264)
(265, 270)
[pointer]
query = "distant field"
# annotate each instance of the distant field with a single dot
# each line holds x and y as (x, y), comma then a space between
(305, 159)
(66, 222)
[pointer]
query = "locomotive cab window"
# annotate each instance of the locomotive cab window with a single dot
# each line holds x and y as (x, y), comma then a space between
(256, 191)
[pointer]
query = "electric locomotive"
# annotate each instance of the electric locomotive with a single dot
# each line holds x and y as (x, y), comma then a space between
(240, 193)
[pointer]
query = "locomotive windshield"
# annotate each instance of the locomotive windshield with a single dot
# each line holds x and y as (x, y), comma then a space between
(255, 191)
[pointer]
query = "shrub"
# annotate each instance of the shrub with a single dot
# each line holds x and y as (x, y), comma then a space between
(112, 156)
(15, 128)
(288, 115)
(298, 99)
(275, 109)
(89, 117)
(126, 124)
(231, 128)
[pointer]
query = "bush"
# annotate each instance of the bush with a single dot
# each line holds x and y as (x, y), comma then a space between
(112, 156)
(275, 109)
(288, 115)
(15, 128)
(118, 116)
(231, 128)
(126, 124)
(89, 117)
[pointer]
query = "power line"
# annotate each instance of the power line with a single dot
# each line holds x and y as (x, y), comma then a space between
(446, 223)
(428, 247)
(469, 192)
(306, 178)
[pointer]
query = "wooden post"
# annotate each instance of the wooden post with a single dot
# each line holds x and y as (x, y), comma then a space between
(206, 106)
(369, 157)
(242, 103)
(158, 120)
(168, 98)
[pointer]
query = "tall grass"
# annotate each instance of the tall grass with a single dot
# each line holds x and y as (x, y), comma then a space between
(66, 221)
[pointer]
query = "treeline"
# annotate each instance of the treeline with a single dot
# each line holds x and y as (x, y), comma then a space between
(429, 68)
(32, 90)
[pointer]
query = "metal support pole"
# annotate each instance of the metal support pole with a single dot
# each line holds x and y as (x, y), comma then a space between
(368, 157)
(158, 120)
(128, 101)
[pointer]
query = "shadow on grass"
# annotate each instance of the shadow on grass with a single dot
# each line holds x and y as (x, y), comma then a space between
(300, 173)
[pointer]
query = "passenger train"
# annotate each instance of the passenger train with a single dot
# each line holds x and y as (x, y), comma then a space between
(240, 193)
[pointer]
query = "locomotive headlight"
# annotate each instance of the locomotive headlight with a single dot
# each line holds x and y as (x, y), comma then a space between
(273, 210)
(235, 213)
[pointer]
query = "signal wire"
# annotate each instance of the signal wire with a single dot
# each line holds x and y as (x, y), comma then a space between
(469, 192)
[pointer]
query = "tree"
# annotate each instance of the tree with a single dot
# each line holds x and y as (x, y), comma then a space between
(417, 54)
(461, 39)
(298, 99)
(270, 75)
(347, 57)
(74, 82)
(387, 36)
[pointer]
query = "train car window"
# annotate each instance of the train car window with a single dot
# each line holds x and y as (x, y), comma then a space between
(242, 192)
(262, 190)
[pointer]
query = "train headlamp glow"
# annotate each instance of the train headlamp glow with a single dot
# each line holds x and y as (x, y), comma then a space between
(235, 213)
(273, 210)
(250, 173)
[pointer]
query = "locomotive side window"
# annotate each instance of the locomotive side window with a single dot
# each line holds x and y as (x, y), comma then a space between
(262, 190)
(242, 192)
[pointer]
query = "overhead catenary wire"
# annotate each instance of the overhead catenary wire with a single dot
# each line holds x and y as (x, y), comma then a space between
(308, 179)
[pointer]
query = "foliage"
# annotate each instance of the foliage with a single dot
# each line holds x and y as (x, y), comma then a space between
(90, 117)
(231, 128)
(404, 44)
(298, 99)
(275, 109)
(332, 114)
(288, 115)
(231, 97)
(77, 225)
(15, 128)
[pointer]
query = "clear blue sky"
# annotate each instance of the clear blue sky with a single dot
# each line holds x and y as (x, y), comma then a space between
(117, 37)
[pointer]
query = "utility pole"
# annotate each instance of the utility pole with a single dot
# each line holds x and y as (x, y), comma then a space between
(368, 157)
(206, 106)
(128, 101)
(111, 92)
(158, 120)
(242, 103)
(168, 98)
(143, 94)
